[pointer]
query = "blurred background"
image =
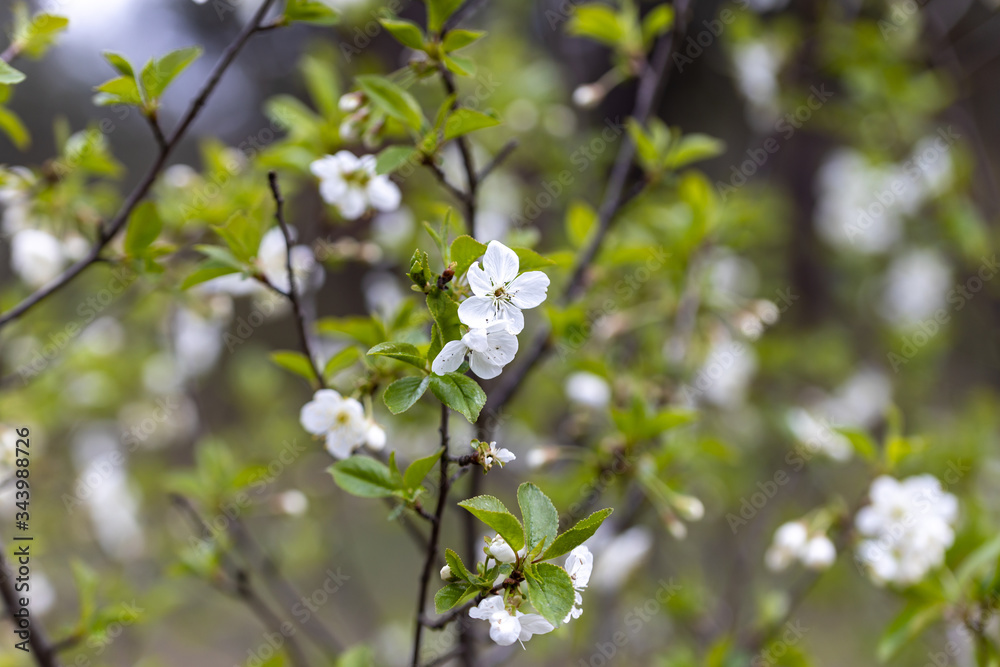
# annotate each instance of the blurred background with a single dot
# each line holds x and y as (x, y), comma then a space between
(833, 269)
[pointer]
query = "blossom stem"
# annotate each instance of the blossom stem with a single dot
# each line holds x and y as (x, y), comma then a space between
(42, 651)
(432, 544)
(120, 220)
(293, 292)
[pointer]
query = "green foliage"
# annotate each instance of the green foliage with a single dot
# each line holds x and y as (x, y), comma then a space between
(403, 393)
(494, 514)
(550, 591)
(365, 477)
(392, 100)
(576, 535)
(541, 520)
(404, 352)
(460, 393)
(310, 11)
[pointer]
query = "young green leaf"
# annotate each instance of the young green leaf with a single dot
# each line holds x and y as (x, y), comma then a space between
(294, 362)
(12, 126)
(392, 99)
(459, 39)
(494, 514)
(464, 251)
(338, 362)
(310, 11)
(541, 520)
(120, 63)
(403, 393)
(394, 157)
(9, 75)
(463, 121)
(444, 311)
(693, 148)
(143, 228)
(406, 33)
(531, 260)
(160, 72)
(121, 90)
(404, 352)
(460, 393)
(576, 535)
(33, 35)
(581, 221)
(550, 590)
(416, 471)
(453, 595)
(458, 568)
(912, 621)
(364, 477)
(657, 22)
(598, 22)
(438, 12)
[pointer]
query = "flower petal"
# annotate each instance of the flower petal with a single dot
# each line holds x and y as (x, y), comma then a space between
(477, 312)
(351, 204)
(533, 624)
(483, 367)
(480, 282)
(501, 263)
(528, 289)
(383, 194)
(513, 317)
(449, 358)
(332, 189)
(501, 347)
(506, 630)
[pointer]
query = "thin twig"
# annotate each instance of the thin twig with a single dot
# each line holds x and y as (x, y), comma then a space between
(432, 545)
(468, 8)
(497, 160)
(472, 185)
(293, 292)
(142, 189)
(42, 651)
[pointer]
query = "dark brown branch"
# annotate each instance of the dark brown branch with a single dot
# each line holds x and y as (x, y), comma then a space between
(432, 546)
(497, 160)
(42, 651)
(469, 201)
(142, 189)
(293, 292)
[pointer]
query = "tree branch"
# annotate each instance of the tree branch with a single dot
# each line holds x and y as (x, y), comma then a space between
(432, 544)
(42, 651)
(293, 292)
(142, 189)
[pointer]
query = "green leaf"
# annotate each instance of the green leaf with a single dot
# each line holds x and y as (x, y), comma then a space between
(122, 90)
(541, 520)
(358, 656)
(458, 568)
(581, 221)
(576, 535)
(658, 21)
(463, 121)
(984, 556)
(464, 251)
(404, 352)
(120, 63)
(338, 362)
(207, 270)
(598, 22)
(403, 393)
(460, 65)
(453, 595)
(459, 39)
(438, 12)
(143, 228)
(310, 11)
(394, 157)
(364, 477)
(392, 99)
(9, 75)
(294, 362)
(550, 591)
(33, 35)
(862, 443)
(460, 393)
(406, 33)
(220, 255)
(529, 260)
(913, 620)
(447, 327)
(416, 471)
(494, 514)
(693, 148)
(160, 72)
(12, 126)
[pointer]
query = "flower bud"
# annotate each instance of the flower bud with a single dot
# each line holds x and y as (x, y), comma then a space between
(689, 507)
(351, 101)
(819, 553)
(446, 574)
(499, 549)
(588, 95)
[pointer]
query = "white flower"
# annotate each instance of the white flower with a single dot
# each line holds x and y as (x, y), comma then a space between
(272, 260)
(620, 557)
(909, 526)
(340, 420)
(350, 101)
(500, 293)
(293, 502)
(375, 436)
(506, 629)
(579, 565)
(588, 389)
(789, 540)
(491, 349)
(350, 184)
(499, 549)
(36, 256)
(493, 455)
(818, 553)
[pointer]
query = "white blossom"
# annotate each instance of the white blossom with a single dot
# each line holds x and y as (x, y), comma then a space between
(350, 184)
(916, 287)
(908, 527)
(579, 566)
(375, 436)
(500, 293)
(272, 260)
(341, 421)
(491, 455)
(507, 628)
(819, 553)
(616, 561)
(788, 542)
(36, 257)
(489, 350)
(588, 389)
(499, 549)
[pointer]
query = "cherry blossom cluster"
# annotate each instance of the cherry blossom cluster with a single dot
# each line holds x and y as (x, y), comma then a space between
(493, 314)
(795, 541)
